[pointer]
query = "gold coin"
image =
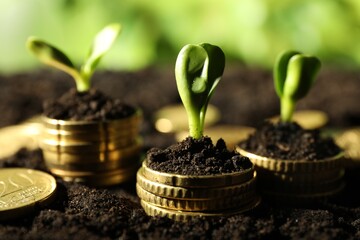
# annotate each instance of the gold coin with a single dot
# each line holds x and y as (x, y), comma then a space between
(303, 178)
(301, 188)
(93, 166)
(349, 140)
(22, 189)
(296, 198)
(167, 191)
(294, 166)
(231, 134)
(86, 147)
(192, 205)
(184, 216)
(97, 136)
(308, 119)
(91, 157)
(174, 118)
(206, 181)
(95, 126)
(98, 179)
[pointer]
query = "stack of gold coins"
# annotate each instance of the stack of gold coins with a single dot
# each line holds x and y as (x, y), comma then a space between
(183, 197)
(97, 153)
(298, 181)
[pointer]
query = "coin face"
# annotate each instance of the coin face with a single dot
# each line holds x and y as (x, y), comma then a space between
(21, 189)
(308, 119)
(174, 118)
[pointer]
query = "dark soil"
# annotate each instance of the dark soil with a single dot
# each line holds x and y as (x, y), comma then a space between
(289, 141)
(197, 157)
(80, 212)
(87, 106)
(244, 97)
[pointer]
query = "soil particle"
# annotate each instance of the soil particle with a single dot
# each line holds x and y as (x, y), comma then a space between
(197, 157)
(89, 106)
(289, 141)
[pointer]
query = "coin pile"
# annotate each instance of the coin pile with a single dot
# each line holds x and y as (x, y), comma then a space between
(298, 181)
(182, 198)
(95, 153)
(22, 189)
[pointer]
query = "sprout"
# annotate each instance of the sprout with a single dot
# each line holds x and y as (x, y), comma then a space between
(294, 75)
(198, 70)
(54, 57)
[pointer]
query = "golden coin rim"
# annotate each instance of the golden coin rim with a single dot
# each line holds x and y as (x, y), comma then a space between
(70, 125)
(294, 166)
(41, 200)
(92, 174)
(93, 147)
(216, 180)
(104, 156)
(302, 178)
(222, 203)
(167, 191)
(184, 216)
(288, 197)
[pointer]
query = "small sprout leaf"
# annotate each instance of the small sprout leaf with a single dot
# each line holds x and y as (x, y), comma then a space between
(294, 75)
(101, 45)
(280, 71)
(50, 55)
(198, 70)
(301, 76)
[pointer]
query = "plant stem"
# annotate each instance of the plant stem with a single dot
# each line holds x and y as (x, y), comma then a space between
(195, 125)
(81, 84)
(287, 109)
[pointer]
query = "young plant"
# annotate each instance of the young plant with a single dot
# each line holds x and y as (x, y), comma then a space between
(54, 57)
(294, 75)
(198, 70)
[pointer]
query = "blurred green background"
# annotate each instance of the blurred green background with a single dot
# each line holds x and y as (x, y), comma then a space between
(252, 32)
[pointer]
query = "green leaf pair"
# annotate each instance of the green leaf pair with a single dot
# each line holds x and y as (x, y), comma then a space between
(294, 75)
(198, 70)
(54, 57)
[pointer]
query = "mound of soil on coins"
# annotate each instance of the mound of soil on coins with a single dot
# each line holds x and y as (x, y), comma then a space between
(88, 106)
(197, 157)
(289, 141)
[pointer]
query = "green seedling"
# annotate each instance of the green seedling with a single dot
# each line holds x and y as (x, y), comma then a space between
(198, 70)
(54, 57)
(294, 75)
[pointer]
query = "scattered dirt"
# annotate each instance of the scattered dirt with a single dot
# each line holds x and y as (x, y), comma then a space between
(244, 97)
(88, 106)
(289, 141)
(197, 157)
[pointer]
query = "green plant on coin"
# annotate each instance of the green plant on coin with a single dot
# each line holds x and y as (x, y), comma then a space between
(294, 75)
(198, 70)
(54, 57)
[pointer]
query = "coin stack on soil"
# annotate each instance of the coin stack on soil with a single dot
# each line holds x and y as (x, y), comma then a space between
(95, 153)
(183, 197)
(298, 181)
